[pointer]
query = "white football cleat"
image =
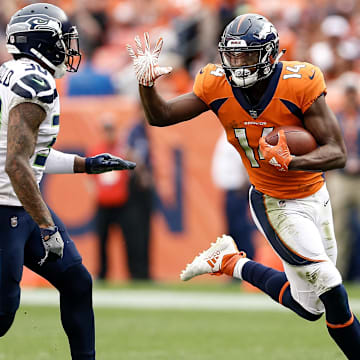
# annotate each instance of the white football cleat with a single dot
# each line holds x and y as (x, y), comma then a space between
(210, 260)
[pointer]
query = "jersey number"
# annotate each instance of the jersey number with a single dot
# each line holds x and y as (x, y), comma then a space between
(240, 134)
(37, 67)
(294, 71)
(218, 72)
(5, 77)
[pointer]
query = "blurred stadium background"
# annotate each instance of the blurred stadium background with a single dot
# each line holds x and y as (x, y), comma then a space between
(188, 208)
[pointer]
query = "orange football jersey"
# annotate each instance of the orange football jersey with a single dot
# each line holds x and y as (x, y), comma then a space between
(293, 87)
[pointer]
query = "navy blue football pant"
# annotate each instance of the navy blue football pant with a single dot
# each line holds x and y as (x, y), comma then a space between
(20, 244)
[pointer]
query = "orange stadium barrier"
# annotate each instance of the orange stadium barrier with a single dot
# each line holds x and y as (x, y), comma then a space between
(188, 212)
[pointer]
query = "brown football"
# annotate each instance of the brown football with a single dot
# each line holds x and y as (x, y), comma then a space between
(299, 140)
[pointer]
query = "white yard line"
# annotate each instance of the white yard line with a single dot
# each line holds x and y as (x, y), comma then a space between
(151, 299)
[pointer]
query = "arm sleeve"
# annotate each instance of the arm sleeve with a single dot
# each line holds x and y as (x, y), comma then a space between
(59, 163)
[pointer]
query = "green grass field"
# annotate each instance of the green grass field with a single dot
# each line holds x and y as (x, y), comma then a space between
(163, 334)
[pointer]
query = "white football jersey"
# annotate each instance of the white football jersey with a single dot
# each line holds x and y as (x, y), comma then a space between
(25, 80)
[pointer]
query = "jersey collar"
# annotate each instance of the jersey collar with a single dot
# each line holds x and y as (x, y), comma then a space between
(256, 110)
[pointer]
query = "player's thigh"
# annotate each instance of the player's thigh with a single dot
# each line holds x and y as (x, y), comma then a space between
(297, 230)
(15, 228)
(325, 224)
(290, 227)
(51, 270)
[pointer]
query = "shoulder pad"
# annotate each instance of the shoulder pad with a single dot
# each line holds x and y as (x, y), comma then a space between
(34, 86)
(305, 83)
(210, 82)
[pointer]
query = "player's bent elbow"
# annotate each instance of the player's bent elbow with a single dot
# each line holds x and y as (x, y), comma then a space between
(159, 122)
(342, 163)
(338, 158)
(342, 160)
(155, 122)
(337, 163)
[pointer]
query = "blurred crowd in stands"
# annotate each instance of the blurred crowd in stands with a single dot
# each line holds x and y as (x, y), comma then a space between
(323, 32)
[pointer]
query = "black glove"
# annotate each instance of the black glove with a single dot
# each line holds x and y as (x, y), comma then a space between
(53, 244)
(106, 162)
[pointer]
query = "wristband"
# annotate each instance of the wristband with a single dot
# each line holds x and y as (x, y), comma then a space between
(59, 163)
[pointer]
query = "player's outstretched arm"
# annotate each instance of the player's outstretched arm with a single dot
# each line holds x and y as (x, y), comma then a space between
(147, 70)
(63, 163)
(331, 153)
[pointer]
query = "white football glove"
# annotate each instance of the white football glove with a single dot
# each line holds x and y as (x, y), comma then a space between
(53, 244)
(146, 66)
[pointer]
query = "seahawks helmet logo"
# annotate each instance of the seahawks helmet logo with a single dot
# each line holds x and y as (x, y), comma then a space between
(44, 23)
(37, 22)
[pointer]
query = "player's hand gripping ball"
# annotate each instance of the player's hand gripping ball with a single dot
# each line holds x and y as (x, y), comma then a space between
(299, 140)
(276, 155)
(285, 141)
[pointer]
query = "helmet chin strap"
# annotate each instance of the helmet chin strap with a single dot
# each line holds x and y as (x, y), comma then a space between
(281, 53)
(59, 71)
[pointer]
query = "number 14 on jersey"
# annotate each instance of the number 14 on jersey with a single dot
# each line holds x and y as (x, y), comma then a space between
(241, 135)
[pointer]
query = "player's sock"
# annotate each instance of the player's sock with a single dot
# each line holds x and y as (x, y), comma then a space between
(342, 324)
(6, 321)
(77, 313)
(232, 261)
(275, 284)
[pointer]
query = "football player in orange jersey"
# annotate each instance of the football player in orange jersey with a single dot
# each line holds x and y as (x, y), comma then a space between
(251, 93)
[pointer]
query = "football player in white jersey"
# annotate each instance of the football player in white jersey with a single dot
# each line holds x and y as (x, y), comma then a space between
(44, 46)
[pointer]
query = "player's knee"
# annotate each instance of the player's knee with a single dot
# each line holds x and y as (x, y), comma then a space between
(6, 321)
(322, 276)
(77, 280)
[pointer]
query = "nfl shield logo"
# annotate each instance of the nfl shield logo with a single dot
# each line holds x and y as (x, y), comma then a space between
(253, 114)
(14, 221)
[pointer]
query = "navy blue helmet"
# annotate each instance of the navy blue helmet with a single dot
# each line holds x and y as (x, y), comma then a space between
(249, 49)
(43, 32)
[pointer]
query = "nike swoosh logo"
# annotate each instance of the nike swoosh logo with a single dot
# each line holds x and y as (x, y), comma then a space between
(326, 202)
(312, 76)
(41, 83)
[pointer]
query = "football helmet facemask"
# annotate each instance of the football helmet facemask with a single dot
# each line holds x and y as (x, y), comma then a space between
(43, 32)
(249, 50)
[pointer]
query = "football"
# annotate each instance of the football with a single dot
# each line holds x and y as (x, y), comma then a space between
(299, 140)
